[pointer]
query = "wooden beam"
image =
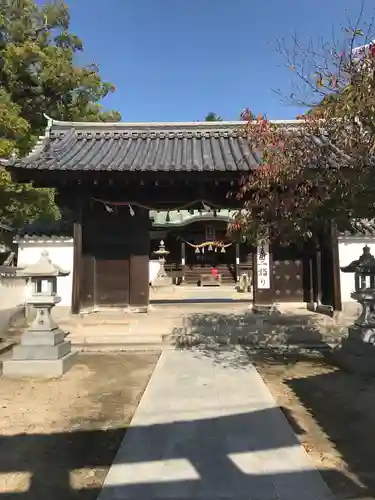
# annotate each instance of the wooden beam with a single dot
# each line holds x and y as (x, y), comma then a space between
(337, 303)
(139, 259)
(311, 280)
(139, 280)
(318, 277)
(77, 262)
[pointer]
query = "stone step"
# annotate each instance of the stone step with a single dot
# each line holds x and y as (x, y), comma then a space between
(112, 337)
(117, 335)
(5, 346)
(119, 347)
(123, 319)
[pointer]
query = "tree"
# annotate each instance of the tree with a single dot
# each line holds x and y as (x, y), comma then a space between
(38, 75)
(213, 117)
(320, 171)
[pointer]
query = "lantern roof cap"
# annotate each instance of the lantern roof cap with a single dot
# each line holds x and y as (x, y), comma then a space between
(43, 268)
(364, 265)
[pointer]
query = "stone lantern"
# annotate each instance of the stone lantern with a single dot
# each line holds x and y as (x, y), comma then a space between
(43, 350)
(357, 351)
(162, 278)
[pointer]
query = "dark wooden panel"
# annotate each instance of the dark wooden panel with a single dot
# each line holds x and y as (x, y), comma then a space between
(77, 267)
(288, 280)
(139, 280)
(329, 269)
(287, 276)
(336, 303)
(87, 285)
(139, 251)
(112, 282)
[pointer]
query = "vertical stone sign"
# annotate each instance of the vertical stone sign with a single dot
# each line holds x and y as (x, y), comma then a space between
(263, 264)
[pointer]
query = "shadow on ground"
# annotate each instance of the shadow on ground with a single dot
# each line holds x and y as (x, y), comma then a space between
(95, 450)
(343, 405)
(226, 337)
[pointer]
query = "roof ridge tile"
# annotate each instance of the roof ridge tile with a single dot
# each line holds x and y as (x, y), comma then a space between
(228, 150)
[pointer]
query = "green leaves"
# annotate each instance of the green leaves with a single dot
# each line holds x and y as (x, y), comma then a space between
(354, 32)
(38, 75)
(20, 203)
(12, 126)
(325, 171)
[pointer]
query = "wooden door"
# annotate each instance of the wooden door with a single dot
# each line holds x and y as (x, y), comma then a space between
(112, 282)
(87, 288)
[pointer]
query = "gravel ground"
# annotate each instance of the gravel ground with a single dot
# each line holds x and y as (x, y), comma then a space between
(332, 412)
(59, 437)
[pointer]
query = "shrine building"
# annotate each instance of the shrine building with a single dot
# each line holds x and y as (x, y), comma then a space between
(130, 185)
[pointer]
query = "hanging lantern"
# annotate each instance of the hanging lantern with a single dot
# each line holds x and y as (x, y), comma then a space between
(202, 249)
(215, 249)
(210, 248)
(223, 250)
(197, 250)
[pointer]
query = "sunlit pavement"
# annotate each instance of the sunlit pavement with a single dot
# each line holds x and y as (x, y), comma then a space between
(210, 430)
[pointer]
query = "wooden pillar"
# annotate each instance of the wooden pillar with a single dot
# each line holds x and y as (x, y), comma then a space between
(77, 262)
(308, 272)
(337, 304)
(311, 280)
(254, 275)
(318, 277)
(237, 268)
(139, 250)
(183, 259)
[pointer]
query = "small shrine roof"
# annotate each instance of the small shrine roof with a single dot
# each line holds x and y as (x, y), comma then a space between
(179, 218)
(194, 146)
(44, 267)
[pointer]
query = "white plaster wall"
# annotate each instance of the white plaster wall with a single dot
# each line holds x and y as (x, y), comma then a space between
(350, 248)
(60, 253)
(154, 267)
(12, 299)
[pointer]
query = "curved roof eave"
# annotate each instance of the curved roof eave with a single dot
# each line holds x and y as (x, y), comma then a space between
(193, 218)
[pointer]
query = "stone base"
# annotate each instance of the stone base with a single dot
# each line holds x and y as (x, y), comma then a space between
(357, 351)
(324, 309)
(48, 368)
(46, 352)
(263, 308)
(31, 338)
(138, 309)
(355, 355)
(353, 363)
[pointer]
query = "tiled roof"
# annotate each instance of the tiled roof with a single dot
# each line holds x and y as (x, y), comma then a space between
(199, 146)
(365, 227)
(361, 227)
(51, 230)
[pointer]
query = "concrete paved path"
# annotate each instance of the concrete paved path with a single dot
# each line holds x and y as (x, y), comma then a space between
(210, 431)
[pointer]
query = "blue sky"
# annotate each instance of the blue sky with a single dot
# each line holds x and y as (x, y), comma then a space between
(176, 60)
